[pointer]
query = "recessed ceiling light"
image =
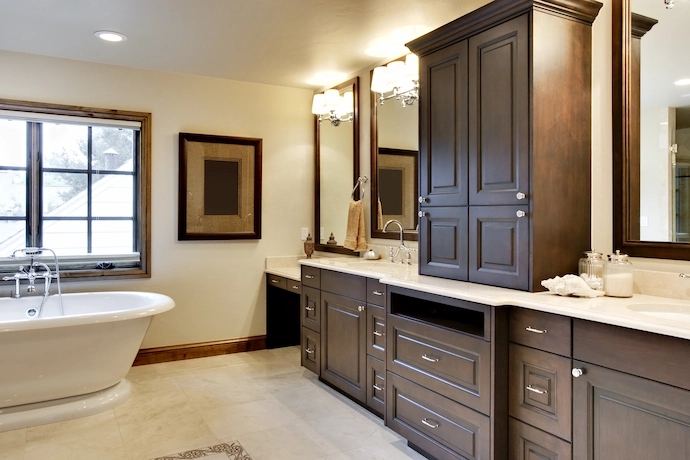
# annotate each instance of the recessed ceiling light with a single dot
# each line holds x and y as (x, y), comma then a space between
(683, 82)
(110, 36)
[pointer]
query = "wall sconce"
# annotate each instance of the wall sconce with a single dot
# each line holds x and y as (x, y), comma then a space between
(333, 107)
(399, 80)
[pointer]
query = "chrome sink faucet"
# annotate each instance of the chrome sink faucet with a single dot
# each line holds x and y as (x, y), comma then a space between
(392, 255)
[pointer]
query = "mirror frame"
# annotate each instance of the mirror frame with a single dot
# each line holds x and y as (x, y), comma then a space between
(625, 103)
(355, 169)
(408, 235)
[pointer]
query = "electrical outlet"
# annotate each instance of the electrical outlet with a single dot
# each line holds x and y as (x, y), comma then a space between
(305, 232)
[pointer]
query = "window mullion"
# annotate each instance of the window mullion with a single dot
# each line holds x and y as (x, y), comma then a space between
(89, 199)
(34, 180)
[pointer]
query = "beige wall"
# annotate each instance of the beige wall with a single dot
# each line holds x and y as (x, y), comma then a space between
(218, 286)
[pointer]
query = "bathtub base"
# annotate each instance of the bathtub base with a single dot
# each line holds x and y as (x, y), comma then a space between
(59, 410)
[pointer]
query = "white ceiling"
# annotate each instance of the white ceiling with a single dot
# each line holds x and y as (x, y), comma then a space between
(277, 42)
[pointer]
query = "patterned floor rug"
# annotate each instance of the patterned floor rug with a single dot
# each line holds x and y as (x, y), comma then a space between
(232, 451)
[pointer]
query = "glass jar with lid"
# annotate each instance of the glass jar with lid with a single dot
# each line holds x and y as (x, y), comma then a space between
(618, 276)
(591, 269)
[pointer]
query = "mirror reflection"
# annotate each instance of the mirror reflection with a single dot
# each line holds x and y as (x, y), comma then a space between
(660, 201)
(337, 165)
(394, 151)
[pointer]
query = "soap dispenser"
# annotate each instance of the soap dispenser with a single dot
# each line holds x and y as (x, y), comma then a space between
(618, 276)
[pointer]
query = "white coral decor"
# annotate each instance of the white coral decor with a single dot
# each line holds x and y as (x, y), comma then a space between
(570, 285)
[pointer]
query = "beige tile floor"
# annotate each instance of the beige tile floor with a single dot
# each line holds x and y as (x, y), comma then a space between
(263, 399)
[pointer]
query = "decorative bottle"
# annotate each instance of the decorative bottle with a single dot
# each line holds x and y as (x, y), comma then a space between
(591, 269)
(618, 276)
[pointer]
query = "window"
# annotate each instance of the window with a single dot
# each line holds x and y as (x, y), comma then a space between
(76, 181)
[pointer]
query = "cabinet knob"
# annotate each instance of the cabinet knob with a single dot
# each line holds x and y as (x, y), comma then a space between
(361, 308)
(421, 199)
(422, 214)
(520, 213)
(577, 372)
(520, 196)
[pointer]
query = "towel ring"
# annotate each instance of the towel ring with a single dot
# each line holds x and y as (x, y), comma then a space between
(360, 180)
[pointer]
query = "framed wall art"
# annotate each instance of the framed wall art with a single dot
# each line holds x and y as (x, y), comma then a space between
(220, 187)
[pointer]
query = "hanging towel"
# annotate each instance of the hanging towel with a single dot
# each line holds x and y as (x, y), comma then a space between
(379, 215)
(355, 237)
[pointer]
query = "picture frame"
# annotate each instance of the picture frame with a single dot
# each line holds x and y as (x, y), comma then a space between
(219, 187)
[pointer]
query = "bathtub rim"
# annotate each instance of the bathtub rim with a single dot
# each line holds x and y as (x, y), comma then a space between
(160, 303)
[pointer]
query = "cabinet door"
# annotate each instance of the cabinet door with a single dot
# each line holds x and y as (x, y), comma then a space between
(499, 246)
(343, 344)
(376, 331)
(528, 443)
(443, 127)
(620, 416)
(499, 114)
(443, 243)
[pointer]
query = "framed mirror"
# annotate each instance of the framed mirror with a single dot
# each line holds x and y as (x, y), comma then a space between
(651, 130)
(394, 160)
(337, 170)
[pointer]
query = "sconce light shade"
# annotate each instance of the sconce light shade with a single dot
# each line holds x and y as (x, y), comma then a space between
(379, 81)
(412, 67)
(396, 72)
(318, 104)
(348, 103)
(332, 97)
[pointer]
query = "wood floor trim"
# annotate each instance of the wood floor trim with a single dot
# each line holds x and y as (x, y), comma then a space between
(199, 350)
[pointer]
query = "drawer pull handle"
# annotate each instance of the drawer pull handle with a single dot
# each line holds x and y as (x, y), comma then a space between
(294, 286)
(378, 334)
(430, 358)
(309, 308)
(536, 390)
(377, 388)
(309, 351)
(275, 281)
(536, 331)
(377, 292)
(430, 424)
(309, 277)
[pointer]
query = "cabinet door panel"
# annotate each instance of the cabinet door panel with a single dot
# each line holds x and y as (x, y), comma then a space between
(499, 246)
(343, 344)
(620, 416)
(443, 126)
(376, 332)
(443, 243)
(311, 350)
(499, 114)
(376, 385)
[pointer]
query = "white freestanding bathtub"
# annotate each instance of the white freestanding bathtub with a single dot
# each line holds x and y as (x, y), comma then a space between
(50, 363)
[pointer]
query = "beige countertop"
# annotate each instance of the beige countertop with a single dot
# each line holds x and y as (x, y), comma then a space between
(292, 273)
(660, 315)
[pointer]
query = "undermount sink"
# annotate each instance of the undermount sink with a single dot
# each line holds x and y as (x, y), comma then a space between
(673, 312)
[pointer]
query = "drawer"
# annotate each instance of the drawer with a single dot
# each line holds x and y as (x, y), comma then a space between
(310, 308)
(376, 385)
(352, 286)
(376, 292)
(311, 277)
(294, 286)
(455, 365)
(540, 390)
(437, 425)
(528, 443)
(276, 281)
(311, 350)
(376, 332)
(544, 331)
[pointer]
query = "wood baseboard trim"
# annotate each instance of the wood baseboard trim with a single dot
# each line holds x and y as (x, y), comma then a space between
(199, 350)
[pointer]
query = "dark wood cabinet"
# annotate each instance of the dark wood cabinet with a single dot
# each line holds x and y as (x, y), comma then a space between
(282, 311)
(499, 134)
(620, 416)
(529, 443)
(343, 344)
